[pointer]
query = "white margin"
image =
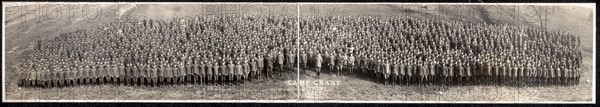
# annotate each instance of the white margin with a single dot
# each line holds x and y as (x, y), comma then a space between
(594, 56)
(291, 101)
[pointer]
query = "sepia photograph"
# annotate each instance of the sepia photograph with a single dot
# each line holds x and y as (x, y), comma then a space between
(299, 52)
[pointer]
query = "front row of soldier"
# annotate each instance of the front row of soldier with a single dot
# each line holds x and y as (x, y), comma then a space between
(375, 69)
(440, 73)
(222, 72)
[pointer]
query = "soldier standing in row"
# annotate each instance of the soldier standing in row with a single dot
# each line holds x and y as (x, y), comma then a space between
(318, 62)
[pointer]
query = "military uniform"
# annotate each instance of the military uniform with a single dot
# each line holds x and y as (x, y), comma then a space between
(318, 62)
(386, 72)
(395, 74)
(253, 69)
(270, 65)
(232, 72)
(223, 73)
(260, 63)
(246, 69)
(210, 73)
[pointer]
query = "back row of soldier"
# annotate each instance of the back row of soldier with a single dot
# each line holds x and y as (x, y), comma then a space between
(233, 49)
(407, 50)
(201, 50)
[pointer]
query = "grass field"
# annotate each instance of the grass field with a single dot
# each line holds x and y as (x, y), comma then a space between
(22, 29)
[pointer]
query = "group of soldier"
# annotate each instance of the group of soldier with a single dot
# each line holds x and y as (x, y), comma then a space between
(148, 51)
(234, 49)
(413, 51)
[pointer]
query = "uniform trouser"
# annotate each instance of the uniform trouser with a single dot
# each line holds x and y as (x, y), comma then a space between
(162, 80)
(269, 72)
(199, 79)
(169, 80)
(245, 76)
(188, 78)
(408, 79)
(209, 79)
(386, 78)
(229, 78)
(152, 81)
(252, 75)
(215, 79)
(318, 70)
(23, 82)
(401, 79)
(351, 69)
(181, 78)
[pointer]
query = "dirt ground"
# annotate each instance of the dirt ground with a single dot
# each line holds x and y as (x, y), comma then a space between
(23, 28)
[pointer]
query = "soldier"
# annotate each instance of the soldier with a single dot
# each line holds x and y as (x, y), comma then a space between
(137, 72)
(93, 73)
(379, 69)
(170, 73)
(386, 71)
(514, 72)
(154, 74)
(451, 71)
(303, 59)
(488, 72)
(371, 68)
(556, 74)
(253, 69)
(203, 71)
(468, 71)
(318, 62)
(351, 62)
(520, 75)
(181, 70)
(291, 58)
(394, 77)
(194, 70)
(445, 71)
(310, 54)
(343, 60)
(22, 75)
(61, 76)
(429, 71)
(270, 65)
(331, 59)
(402, 72)
(209, 71)
(128, 72)
(144, 76)
(246, 69)
(462, 69)
(47, 80)
(71, 76)
(232, 72)
(496, 72)
(239, 70)
(425, 72)
(223, 73)
(189, 70)
(364, 66)
(120, 72)
(280, 61)
(527, 73)
(260, 63)
(162, 72)
(33, 77)
(409, 72)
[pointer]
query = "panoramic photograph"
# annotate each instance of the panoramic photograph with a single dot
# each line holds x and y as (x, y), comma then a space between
(299, 52)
